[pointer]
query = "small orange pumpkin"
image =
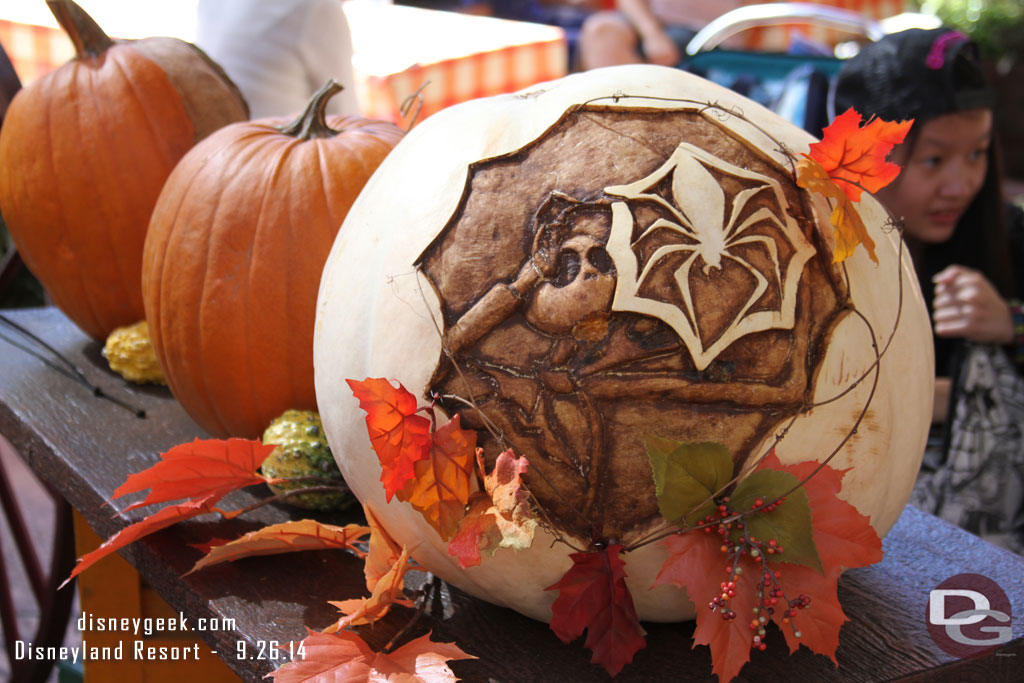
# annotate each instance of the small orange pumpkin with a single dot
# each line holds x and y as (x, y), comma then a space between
(84, 152)
(233, 257)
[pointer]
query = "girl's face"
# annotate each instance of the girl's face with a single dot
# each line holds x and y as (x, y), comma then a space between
(941, 175)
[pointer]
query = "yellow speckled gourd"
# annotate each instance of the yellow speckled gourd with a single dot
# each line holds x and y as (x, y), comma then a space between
(302, 453)
(131, 355)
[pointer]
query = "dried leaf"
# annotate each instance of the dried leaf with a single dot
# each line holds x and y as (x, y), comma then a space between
(849, 226)
(687, 475)
(287, 537)
(441, 485)
(165, 517)
(398, 435)
(853, 156)
(201, 469)
(593, 596)
(478, 531)
(387, 590)
(498, 518)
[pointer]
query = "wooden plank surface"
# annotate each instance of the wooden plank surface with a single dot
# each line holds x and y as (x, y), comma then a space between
(86, 446)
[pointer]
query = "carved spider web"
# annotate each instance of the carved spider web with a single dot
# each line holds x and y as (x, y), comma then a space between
(704, 227)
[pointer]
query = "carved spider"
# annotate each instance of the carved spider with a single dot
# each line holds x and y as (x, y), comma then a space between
(699, 208)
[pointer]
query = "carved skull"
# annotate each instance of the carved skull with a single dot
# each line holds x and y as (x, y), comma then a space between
(583, 284)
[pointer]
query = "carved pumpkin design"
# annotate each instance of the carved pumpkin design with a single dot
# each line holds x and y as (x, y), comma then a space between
(84, 153)
(591, 268)
(233, 258)
(681, 285)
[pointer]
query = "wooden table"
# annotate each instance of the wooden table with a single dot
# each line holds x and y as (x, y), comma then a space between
(85, 447)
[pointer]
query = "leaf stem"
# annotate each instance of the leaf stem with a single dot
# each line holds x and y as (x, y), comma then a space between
(426, 594)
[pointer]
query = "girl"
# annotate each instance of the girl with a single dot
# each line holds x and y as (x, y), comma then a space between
(967, 246)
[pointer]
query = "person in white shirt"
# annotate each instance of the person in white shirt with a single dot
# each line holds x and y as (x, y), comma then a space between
(280, 52)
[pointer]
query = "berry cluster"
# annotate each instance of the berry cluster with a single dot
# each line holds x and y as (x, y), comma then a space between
(737, 543)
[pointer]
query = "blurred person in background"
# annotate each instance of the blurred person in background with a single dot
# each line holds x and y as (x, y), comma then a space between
(646, 31)
(280, 52)
(967, 246)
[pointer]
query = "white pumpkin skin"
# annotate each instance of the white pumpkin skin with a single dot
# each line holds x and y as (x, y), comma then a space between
(377, 312)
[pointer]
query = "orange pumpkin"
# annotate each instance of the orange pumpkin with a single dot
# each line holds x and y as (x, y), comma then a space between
(84, 152)
(233, 257)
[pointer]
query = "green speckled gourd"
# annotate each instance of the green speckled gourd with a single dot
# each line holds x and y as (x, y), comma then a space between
(302, 452)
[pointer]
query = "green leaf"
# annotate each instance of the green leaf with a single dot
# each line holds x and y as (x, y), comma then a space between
(686, 475)
(789, 523)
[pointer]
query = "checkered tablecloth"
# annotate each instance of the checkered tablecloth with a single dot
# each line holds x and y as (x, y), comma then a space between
(399, 48)
(459, 57)
(34, 50)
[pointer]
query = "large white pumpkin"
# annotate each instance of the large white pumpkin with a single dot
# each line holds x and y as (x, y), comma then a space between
(617, 254)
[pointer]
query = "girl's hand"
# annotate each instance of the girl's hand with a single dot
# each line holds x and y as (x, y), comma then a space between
(660, 49)
(968, 306)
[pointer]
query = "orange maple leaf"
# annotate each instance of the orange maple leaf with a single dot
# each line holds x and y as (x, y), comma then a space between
(593, 596)
(163, 518)
(849, 226)
(384, 551)
(398, 435)
(388, 590)
(200, 469)
(854, 155)
(695, 563)
(344, 656)
(287, 537)
(501, 517)
(441, 485)
(844, 538)
(422, 658)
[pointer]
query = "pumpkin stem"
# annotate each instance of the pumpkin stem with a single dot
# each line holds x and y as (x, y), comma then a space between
(85, 34)
(312, 123)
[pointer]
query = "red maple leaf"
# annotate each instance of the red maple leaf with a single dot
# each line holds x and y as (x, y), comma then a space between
(593, 596)
(854, 155)
(201, 469)
(398, 435)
